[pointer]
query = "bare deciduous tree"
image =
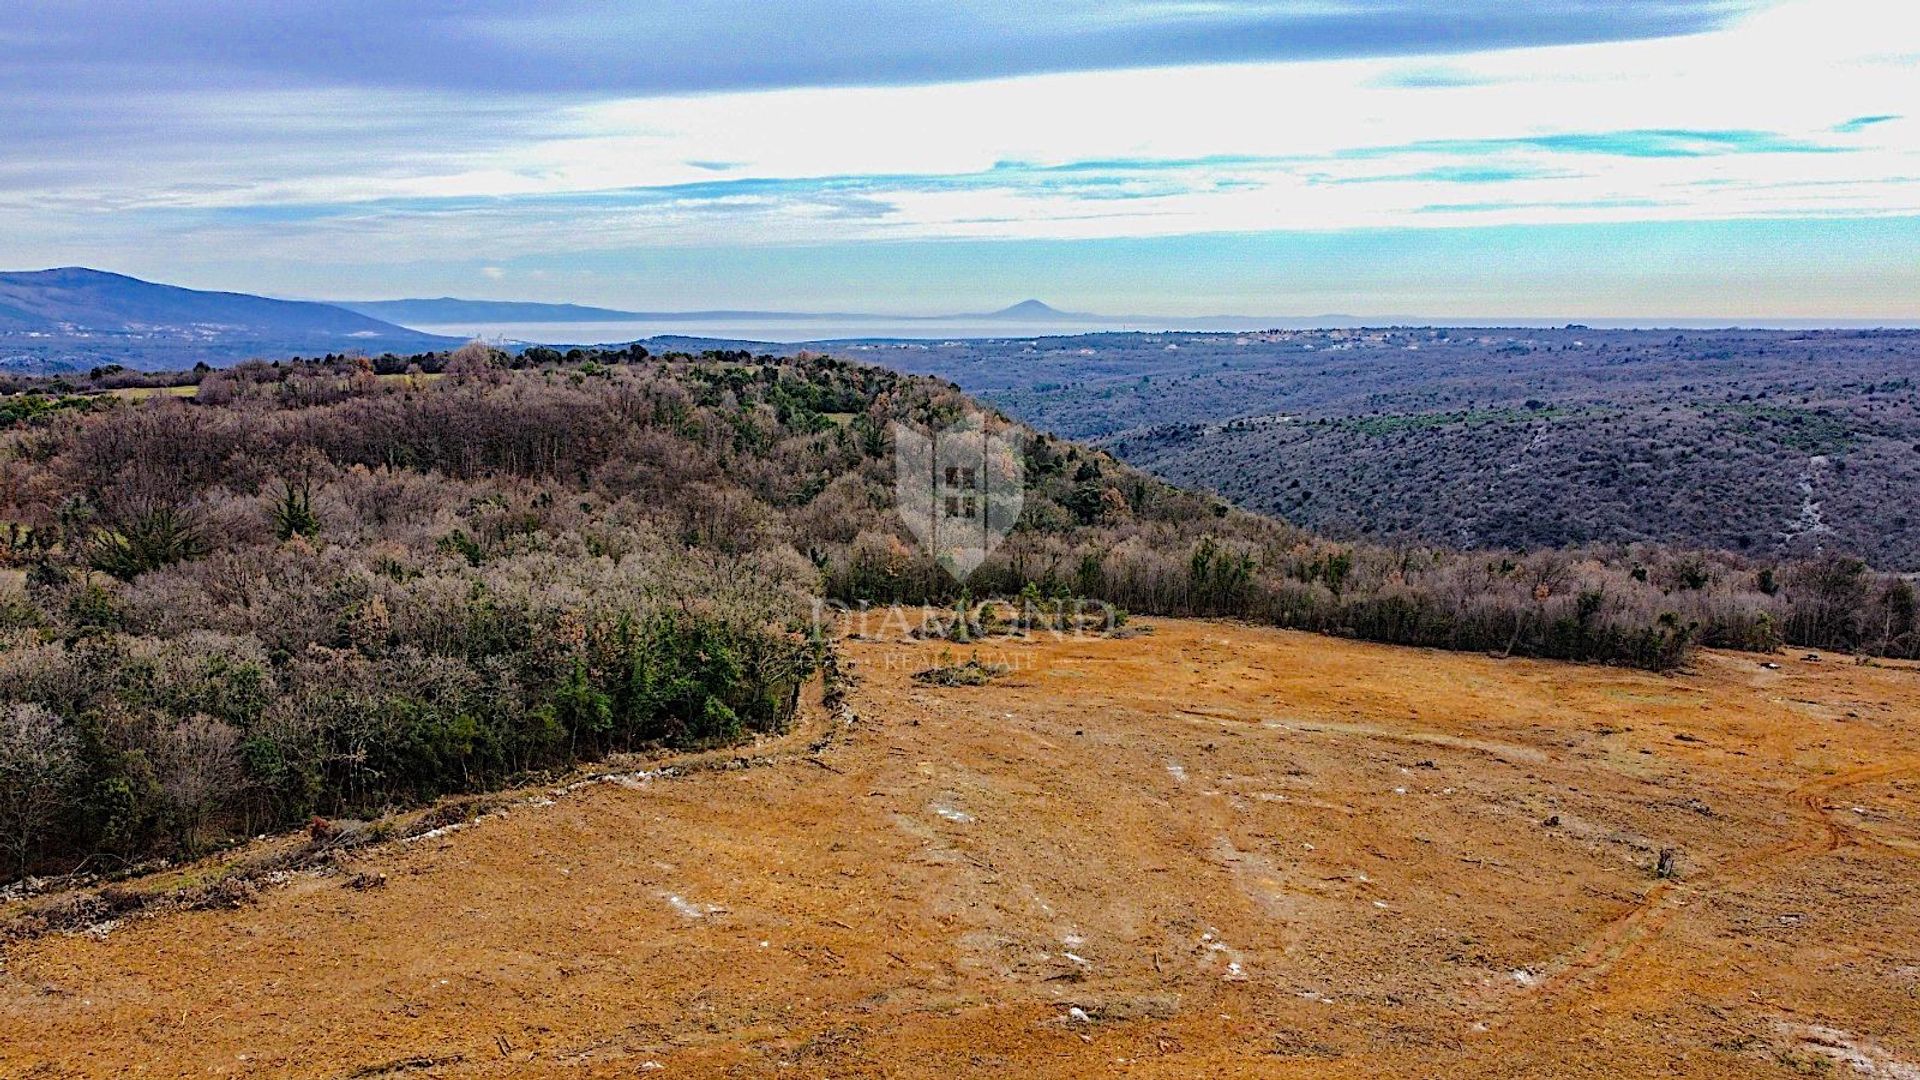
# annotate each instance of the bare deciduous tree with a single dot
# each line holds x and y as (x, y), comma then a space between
(37, 760)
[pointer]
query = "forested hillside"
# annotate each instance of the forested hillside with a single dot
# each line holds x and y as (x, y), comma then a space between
(315, 588)
(72, 318)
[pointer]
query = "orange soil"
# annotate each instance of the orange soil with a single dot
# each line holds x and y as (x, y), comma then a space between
(1209, 850)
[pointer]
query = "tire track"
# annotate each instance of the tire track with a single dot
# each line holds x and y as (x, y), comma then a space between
(1627, 937)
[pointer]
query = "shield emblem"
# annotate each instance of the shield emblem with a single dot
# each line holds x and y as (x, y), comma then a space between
(959, 489)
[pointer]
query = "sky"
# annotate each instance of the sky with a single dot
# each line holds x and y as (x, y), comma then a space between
(1465, 159)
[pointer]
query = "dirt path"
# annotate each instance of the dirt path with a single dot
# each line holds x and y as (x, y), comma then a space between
(1209, 850)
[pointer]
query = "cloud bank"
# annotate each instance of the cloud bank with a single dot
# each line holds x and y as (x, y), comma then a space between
(481, 148)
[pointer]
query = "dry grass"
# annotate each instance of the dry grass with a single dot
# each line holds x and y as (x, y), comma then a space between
(143, 393)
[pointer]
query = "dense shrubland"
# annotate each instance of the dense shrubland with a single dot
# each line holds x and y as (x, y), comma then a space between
(332, 587)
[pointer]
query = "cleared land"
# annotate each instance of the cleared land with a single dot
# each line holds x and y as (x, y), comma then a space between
(1207, 850)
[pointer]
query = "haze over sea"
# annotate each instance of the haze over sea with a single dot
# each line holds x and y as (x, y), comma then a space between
(774, 330)
(789, 331)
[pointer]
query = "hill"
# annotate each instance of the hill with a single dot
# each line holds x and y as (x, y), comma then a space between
(324, 588)
(96, 300)
(1037, 311)
(75, 317)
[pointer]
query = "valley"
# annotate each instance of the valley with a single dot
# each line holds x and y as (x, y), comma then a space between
(1496, 438)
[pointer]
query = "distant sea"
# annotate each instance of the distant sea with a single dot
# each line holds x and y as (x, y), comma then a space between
(778, 331)
(786, 332)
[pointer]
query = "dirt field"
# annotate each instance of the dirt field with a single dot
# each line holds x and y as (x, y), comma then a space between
(1206, 851)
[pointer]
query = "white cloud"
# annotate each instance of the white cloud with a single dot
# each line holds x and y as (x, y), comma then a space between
(1226, 148)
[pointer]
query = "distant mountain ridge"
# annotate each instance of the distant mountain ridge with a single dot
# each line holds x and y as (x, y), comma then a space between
(60, 318)
(98, 300)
